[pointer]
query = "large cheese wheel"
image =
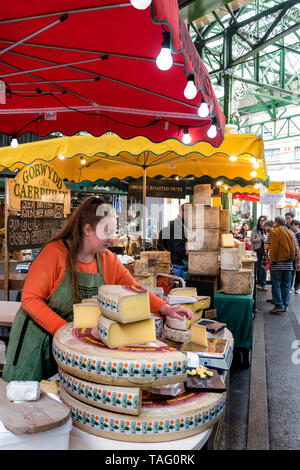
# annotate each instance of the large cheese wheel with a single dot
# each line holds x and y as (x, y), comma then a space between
(126, 400)
(200, 216)
(230, 259)
(202, 239)
(237, 282)
(161, 419)
(202, 194)
(204, 263)
(224, 219)
(81, 352)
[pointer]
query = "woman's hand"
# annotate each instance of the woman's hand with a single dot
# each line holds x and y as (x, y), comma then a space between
(175, 312)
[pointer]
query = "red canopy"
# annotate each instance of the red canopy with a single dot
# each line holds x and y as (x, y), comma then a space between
(89, 65)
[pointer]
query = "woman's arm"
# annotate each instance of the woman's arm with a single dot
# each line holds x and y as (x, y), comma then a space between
(44, 275)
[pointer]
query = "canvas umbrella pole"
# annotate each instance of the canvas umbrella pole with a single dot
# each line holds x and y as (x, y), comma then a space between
(144, 205)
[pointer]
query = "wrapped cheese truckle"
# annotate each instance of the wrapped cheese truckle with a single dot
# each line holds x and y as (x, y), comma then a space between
(202, 239)
(202, 194)
(230, 259)
(177, 336)
(203, 263)
(124, 304)
(224, 219)
(140, 268)
(237, 282)
(200, 216)
(117, 335)
(241, 247)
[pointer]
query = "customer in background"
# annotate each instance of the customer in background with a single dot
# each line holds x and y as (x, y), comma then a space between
(242, 234)
(295, 226)
(257, 241)
(173, 238)
(289, 217)
(268, 225)
(283, 252)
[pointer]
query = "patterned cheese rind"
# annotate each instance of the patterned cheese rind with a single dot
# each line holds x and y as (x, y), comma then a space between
(119, 399)
(153, 425)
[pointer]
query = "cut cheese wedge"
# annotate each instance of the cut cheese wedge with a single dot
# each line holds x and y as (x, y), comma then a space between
(185, 323)
(184, 291)
(227, 240)
(124, 304)
(116, 335)
(86, 315)
(199, 334)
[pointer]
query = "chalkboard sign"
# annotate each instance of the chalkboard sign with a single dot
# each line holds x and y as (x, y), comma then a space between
(42, 210)
(24, 233)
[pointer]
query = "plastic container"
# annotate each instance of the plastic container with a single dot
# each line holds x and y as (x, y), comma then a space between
(54, 439)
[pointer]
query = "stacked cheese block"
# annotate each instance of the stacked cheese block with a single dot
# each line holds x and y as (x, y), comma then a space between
(110, 355)
(234, 279)
(158, 261)
(203, 233)
(179, 331)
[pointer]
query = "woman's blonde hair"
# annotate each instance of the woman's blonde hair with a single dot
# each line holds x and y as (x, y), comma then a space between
(87, 213)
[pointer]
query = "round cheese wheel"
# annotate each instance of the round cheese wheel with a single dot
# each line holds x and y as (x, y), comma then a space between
(80, 351)
(161, 418)
(109, 397)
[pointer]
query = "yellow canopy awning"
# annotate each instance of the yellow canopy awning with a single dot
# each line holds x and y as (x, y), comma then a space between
(109, 157)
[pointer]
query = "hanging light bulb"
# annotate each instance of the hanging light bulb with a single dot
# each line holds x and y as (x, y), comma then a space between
(203, 110)
(219, 183)
(252, 160)
(226, 187)
(14, 143)
(190, 90)
(212, 131)
(61, 157)
(253, 174)
(140, 4)
(164, 60)
(186, 136)
(256, 165)
(233, 158)
(256, 186)
(82, 160)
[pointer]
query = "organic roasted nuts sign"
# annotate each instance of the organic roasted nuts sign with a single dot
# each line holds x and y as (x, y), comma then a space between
(158, 188)
(38, 182)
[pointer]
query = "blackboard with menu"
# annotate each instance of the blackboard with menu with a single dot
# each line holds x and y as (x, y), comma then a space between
(37, 223)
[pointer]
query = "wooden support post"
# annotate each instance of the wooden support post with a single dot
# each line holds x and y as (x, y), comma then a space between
(6, 253)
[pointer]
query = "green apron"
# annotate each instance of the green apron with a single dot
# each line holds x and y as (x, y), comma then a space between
(29, 353)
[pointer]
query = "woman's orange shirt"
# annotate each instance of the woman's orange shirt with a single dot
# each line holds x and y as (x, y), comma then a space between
(47, 271)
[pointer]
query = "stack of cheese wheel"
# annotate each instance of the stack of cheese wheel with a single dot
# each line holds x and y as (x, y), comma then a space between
(202, 233)
(233, 279)
(103, 385)
(179, 331)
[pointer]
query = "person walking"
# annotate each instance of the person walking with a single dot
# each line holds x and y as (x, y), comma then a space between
(257, 241)
(289, 217)
(295, 226)
(283, 252)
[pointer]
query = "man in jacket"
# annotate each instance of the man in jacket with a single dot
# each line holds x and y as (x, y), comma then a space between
(173, 238)
(295, 226)
(283, 251)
